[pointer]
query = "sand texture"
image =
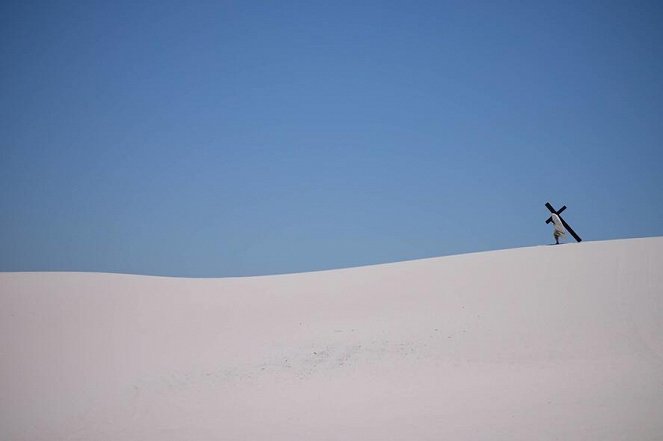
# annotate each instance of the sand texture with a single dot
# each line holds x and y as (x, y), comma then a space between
(544, 343)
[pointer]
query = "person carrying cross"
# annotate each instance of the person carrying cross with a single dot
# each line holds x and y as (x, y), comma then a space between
(558, 228)
(561, 227)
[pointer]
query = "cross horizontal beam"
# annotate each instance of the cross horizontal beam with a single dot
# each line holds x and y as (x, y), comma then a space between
(552, 210)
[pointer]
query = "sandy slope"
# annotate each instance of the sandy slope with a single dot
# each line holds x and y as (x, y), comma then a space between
(544, 343)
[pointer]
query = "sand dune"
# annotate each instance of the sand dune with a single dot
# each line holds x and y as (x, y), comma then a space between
(543, 343)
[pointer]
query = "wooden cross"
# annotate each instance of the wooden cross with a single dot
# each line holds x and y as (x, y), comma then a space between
(568, 228)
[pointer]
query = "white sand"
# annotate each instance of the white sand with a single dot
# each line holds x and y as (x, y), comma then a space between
(545, 343)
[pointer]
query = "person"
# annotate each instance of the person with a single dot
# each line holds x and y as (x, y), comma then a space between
(558, 227)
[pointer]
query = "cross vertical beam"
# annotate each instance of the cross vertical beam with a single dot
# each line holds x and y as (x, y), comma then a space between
(568, 228)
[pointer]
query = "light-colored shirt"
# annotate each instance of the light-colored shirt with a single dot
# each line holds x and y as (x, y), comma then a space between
(557, 222)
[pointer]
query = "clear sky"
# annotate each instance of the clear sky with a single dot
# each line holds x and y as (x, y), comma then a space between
(222, 138)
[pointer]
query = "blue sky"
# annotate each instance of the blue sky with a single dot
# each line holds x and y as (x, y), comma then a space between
(241, 138)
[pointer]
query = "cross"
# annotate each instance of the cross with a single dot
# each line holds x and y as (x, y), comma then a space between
(558, 212)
